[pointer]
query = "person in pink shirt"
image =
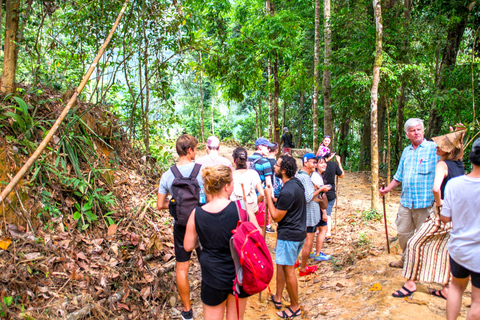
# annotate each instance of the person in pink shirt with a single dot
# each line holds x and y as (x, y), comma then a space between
(212, 158)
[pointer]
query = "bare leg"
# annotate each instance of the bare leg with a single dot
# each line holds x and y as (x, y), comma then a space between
(280, 283)
(214, 312)
(183, 285)
(292, 288)
(474, 312)
(454, 300)
(329, 231)
(307, 247)
(322, 232)
(232, 307)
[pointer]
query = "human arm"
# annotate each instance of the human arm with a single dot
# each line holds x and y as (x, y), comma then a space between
(277, 215)
(252, 218)
(393, 184)
(190, 241)
(339, 162)
(441, 171)
(162, 202)
(261, 193)
(324, 215)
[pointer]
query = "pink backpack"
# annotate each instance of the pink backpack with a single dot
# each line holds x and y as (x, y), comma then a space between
(253, 263)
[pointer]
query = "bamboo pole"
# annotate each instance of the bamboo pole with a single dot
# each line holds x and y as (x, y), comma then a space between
(62, 116)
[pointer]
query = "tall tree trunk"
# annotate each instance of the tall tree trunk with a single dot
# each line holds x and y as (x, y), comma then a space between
(374, 100)
(202, 127)
(342, 142)
(276, 94)
(327, 89)
(316, 74)
(449, 59)
(300, 119)
(284, 114)
(365, 144)
(270, 102)
(400, 132)
(382, 105)
(10, 47)
(389, 149)
(377, 7)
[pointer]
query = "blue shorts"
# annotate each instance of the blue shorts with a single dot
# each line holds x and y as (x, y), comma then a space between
(330, 207)
(287, 252)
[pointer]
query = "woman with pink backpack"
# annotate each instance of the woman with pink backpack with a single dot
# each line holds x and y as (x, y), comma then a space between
(212, 225)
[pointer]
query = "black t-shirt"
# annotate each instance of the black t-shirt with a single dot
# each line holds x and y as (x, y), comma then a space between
(214, 232)
(329, 178)
(293, 226)
(287, 140)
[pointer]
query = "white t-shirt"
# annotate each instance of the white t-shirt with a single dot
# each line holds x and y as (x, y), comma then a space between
(461, 203)
(249, 179)
(317, 179)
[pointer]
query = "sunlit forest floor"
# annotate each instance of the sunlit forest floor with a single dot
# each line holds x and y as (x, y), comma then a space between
(126, 270)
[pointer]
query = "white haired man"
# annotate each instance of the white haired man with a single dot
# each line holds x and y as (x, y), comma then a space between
(416, 172)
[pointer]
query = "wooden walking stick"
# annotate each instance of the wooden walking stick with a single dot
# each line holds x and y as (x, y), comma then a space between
(385, 219)
(336, 204)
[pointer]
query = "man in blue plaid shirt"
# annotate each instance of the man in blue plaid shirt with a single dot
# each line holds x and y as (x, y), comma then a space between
(416, 172)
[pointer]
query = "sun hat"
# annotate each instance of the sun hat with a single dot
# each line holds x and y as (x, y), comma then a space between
(448, 142)
(213, 141)
(263, 142)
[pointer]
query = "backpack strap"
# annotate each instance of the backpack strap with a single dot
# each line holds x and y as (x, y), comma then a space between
(242, 213)
(196, 170)
(176, 172)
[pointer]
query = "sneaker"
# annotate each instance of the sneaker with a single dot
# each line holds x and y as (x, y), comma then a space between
(322, 257)
(312, 255)
(328, 239)
(187, 315)
(308, 270)
(269, 229)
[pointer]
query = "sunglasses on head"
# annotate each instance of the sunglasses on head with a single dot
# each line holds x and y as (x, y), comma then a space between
(327, 136)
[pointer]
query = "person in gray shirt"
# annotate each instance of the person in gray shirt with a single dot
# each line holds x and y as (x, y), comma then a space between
(187, 149)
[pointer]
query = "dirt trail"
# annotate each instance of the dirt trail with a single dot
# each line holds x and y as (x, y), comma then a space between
(340, 289)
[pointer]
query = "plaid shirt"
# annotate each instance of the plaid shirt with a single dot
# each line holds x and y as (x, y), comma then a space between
(313, 209)
(416, 172)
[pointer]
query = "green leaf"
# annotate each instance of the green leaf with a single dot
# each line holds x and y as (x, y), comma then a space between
(18, 119)
(77, 215)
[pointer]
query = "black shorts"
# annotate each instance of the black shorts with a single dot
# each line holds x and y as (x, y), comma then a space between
(213, 297)
(460, 272)
(311, 229)
(178, 235)
(321, 223)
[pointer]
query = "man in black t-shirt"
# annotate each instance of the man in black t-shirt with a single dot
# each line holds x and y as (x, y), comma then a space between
(287, 141)
(291, 214)
(334, 168)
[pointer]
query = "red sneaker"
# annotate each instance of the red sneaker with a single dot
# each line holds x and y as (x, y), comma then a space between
(297, 264)
(308, 270)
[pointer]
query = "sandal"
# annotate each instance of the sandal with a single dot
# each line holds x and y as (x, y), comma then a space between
(284, 315)
(400, 294)
(396, 264)
(437, 293)
(278, 305)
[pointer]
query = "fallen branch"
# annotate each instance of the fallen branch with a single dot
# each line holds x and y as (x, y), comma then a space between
(62, 116)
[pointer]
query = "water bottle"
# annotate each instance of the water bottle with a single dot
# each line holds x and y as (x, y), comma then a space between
(203, 197)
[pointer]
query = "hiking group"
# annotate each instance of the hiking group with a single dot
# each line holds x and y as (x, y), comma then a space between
(220, 211)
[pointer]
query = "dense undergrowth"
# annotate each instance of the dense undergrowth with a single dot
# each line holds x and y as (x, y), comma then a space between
(79, 235)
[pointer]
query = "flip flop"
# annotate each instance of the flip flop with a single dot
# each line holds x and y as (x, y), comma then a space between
(278, 305)
(437, 293)
(400, 294)
(396, 264)
(284, 315)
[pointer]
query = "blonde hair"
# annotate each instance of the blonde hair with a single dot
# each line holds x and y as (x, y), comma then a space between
(215, 178)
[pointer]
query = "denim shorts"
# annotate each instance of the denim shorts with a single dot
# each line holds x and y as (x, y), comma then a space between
(287, 252)
(330, 207)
